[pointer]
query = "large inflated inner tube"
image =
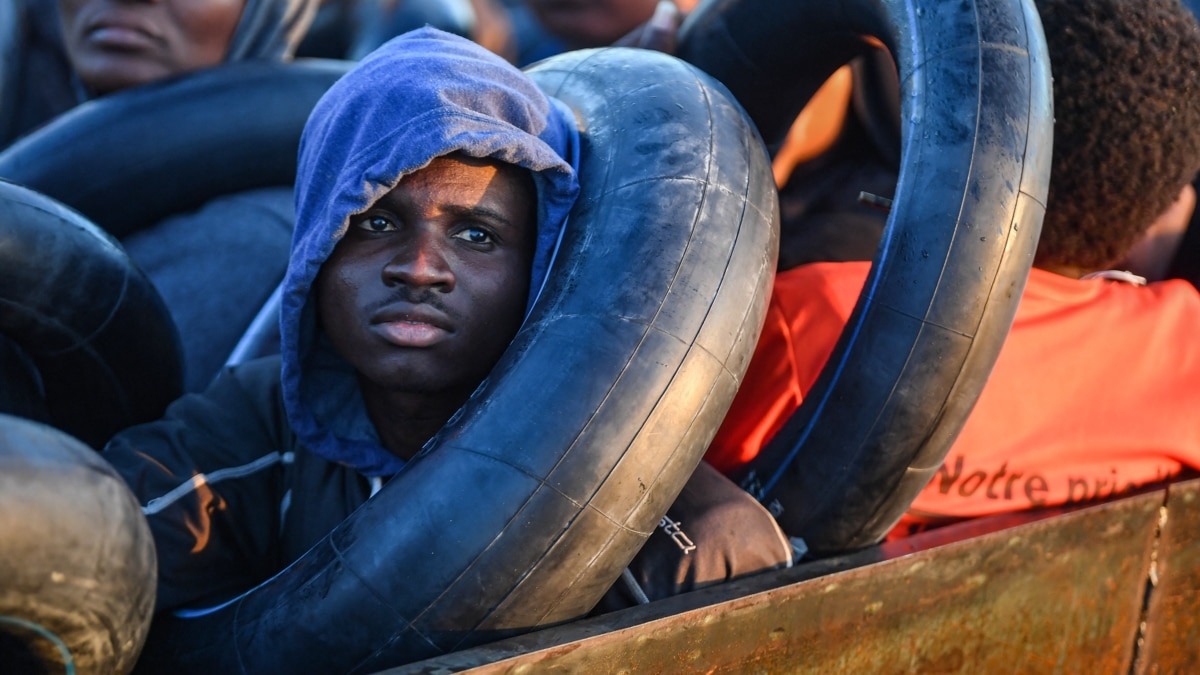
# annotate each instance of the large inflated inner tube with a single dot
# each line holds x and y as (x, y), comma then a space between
(78, 563)
(587, 428)
(214, 132)
(956, 251)
(105, 349)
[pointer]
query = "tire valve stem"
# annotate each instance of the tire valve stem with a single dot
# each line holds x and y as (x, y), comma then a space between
(875, 201)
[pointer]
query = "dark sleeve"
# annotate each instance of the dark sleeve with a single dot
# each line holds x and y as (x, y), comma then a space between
(714, 532)
(207, 477)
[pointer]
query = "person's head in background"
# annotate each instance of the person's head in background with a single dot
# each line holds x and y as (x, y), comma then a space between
(597, 23)
(1127, 126)
(117, 44)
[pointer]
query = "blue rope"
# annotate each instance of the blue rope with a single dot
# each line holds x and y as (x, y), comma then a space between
(68, 660)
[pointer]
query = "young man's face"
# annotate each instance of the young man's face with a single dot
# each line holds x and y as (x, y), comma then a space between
(428, 286)
(116, 44)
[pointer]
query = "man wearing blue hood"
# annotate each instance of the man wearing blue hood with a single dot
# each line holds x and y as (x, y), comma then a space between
(432, 187)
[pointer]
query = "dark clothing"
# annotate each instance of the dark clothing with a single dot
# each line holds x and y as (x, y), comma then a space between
(35, 77)
(232, 497)
(230, 494)
(215, 267)
(821, 217)
(713, 532)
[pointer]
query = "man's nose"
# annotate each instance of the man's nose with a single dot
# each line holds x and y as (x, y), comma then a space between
(422, 260)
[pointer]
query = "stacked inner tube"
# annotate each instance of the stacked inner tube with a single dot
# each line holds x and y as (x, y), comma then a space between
(956, 251)
(130, 159)
(80, 326)
(78, 564)
(587, 429)
(85, 335)
(87, 347)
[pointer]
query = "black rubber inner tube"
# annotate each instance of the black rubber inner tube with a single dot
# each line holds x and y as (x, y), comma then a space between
(956, 251)
(126, 161)
(78, 564)
(213, 132)
(585, 431)
(104, 347)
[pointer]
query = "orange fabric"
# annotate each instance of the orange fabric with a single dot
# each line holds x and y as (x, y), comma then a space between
(817, 126)
(1096, 391)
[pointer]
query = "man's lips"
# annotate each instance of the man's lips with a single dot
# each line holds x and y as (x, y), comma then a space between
(410, 334)
(415, 328)
(120, 35)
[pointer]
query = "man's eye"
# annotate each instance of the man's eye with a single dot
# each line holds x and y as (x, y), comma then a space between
(476, 235)
(374, 223)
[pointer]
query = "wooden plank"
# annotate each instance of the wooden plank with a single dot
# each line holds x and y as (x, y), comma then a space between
(1061, 593)
(1172, 640)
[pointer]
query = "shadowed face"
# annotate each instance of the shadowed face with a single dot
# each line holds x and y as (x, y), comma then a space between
(429, 285)
(116, 44)
(591, 23)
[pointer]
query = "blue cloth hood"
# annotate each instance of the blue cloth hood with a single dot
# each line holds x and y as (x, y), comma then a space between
(422, 95)
(270, 29)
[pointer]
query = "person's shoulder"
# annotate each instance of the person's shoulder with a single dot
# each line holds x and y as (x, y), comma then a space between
(242, 391)
(272, 204)
(264, 369)
(235, 420)
(275, 200)
(1176, 290)
(256, 382)
(1174, 300)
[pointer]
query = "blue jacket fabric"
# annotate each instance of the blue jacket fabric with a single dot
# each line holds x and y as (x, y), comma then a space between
(422, 95)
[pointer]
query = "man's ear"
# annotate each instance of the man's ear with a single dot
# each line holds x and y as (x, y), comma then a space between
(1151, 257)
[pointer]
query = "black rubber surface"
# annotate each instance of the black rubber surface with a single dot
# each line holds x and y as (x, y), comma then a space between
(78, 563)
(105, 349)
(534, 498)
(960, 239)
(212, 133)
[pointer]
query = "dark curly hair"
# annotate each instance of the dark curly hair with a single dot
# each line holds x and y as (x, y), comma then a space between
(1127, 123)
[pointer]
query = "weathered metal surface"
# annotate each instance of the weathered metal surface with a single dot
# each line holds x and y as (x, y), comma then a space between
(1172, 640)
(1060, 594)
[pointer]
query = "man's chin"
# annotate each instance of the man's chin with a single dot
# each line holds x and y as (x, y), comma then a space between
(107, 73)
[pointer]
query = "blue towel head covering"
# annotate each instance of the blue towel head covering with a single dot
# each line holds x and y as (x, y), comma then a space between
(420, 96)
